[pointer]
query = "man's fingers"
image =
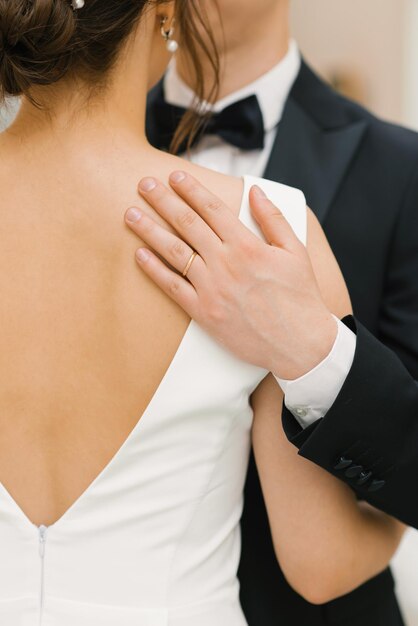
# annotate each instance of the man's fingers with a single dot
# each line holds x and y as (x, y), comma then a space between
(215, 213)
(175, 286)
(179, 215)
(276, 229)
(167, 245)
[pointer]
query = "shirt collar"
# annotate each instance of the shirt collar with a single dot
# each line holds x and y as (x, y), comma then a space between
(272, 88)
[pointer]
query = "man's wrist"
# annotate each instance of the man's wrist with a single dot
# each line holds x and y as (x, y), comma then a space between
(311, 396)
(310, 349)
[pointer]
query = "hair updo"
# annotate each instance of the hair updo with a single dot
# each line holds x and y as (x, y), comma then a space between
(41, 41)
(36, 37)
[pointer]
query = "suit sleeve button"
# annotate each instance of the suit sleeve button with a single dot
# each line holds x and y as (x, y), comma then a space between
(353, 471)
(343, 463)
(363, 478)
(376, 485)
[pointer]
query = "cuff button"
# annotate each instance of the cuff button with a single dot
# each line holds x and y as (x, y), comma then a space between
(343, 463)
(363, 478)
(353, 471)
(376, 485)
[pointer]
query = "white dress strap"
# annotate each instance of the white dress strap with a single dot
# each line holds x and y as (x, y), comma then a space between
(290, 201)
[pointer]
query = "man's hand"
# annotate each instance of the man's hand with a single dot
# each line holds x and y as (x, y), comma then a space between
(260, 300)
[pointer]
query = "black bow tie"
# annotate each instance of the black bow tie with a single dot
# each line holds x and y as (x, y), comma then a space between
(241, 124)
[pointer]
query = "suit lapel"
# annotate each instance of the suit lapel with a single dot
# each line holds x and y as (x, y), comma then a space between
(311, 158)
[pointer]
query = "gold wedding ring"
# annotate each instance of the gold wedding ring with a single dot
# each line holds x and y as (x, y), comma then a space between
(189, 264)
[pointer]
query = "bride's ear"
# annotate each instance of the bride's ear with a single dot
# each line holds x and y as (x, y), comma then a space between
(164, 42)
(165, 14)
(166, 24)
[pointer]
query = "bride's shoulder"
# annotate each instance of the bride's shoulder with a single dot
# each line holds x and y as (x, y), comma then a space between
(234, 192)
(229, 189)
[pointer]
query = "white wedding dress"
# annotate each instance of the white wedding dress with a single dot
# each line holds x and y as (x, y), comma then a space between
(154, 540)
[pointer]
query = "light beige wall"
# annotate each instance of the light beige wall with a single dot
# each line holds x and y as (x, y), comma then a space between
(364, 36)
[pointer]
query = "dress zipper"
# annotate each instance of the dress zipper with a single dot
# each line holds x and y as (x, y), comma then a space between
(42, 542)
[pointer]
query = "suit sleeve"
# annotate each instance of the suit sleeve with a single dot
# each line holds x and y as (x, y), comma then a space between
(369, 437)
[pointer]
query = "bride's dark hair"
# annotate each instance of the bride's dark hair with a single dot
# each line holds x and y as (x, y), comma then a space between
(41, 41)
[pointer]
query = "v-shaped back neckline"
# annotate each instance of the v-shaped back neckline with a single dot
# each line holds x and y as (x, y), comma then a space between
(139, 425)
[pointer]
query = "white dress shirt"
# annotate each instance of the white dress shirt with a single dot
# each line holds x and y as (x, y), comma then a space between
(311, 396)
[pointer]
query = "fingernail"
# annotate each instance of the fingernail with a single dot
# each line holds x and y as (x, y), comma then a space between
(259, 192)
(177, 177)
(147, 184)
(142, 254)
(133, 215)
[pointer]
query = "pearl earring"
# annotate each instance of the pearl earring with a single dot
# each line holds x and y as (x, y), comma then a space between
(77, 4)
(171, 44)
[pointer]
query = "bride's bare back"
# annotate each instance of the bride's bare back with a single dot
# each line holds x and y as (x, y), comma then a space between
(85, 337)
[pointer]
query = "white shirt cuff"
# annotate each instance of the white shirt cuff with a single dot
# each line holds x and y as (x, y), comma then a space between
(311, 396)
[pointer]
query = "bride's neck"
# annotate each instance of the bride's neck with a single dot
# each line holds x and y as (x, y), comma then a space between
(71, 111)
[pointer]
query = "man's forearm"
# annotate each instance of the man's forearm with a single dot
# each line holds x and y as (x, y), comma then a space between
(369, 437)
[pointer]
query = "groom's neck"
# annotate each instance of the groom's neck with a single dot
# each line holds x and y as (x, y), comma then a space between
(250, 44)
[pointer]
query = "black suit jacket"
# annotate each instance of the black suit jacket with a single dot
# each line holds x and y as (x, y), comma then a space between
(360, 177)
